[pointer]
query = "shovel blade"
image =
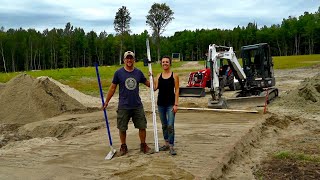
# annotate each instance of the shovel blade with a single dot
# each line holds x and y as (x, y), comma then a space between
(111, 153)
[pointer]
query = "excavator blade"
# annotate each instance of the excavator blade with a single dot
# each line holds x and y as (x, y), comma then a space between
(192, 92)
(262, 100)
(237, 103)
(246, 102)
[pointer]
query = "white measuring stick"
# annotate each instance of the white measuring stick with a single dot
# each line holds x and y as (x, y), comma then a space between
(155, 131)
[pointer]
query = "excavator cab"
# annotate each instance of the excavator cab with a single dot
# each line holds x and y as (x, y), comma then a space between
(258, 65)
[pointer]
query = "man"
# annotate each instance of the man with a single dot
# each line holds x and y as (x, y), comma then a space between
(130, 105)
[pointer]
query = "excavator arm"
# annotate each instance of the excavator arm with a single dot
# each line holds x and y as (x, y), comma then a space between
(215, 53)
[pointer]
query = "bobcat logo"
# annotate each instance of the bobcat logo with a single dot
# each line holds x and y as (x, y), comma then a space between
(131, 83)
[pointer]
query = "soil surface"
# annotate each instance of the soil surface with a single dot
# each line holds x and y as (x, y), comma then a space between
(51, 131)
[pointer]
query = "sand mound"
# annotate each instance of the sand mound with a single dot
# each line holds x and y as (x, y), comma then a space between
(305, 98)
(25, 99)
(84, 99)
(281, 122)
(26, 145)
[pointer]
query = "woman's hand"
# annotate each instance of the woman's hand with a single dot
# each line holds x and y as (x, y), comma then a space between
(175, 108)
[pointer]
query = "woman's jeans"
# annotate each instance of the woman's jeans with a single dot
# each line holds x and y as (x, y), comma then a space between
(167, 119)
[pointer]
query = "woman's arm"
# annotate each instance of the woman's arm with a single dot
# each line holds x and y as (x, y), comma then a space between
(176, 92)
(155, 82)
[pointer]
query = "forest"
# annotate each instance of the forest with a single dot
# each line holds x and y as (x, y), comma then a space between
(25, 50)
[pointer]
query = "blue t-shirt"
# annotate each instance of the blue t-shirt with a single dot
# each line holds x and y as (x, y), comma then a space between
(129, 87)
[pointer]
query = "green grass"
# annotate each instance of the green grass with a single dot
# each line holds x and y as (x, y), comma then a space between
(297, 156)
(291, 62)
(84, 79)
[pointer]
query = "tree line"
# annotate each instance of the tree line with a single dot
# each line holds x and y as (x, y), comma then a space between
(24, 50)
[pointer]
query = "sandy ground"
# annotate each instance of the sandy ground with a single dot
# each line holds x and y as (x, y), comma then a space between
(210, 145)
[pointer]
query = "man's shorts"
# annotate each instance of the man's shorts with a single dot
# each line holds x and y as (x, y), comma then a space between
(138, 118)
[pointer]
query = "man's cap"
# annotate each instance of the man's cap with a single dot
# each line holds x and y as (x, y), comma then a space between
(128, 53)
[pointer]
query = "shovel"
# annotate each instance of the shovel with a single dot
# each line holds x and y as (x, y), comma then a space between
(112, 150)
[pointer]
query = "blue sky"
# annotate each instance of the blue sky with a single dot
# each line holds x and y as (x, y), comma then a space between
(98, 15)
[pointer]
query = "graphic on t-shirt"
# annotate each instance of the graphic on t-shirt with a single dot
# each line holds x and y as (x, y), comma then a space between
(131, 83)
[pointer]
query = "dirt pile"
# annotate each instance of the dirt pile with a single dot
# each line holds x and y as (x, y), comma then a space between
(86, 100)
(306, 98)
(280, 122)
(24, 99)
(8, 133)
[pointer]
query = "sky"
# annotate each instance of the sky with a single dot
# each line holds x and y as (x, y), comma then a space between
(98, 15)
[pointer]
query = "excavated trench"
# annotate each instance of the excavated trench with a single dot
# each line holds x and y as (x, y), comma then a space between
(286, 144)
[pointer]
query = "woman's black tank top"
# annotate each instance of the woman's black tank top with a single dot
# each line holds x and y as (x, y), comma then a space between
(166, 94)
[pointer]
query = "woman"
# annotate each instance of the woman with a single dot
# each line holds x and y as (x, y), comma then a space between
(168, 84)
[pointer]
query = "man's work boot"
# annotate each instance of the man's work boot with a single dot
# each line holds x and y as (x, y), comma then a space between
(123, 149)
(145, 149)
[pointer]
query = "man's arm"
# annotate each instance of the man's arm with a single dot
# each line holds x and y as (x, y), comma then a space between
(147, 83)
(111, 91)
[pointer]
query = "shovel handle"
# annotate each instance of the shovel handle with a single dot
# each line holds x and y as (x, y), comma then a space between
(102, 100)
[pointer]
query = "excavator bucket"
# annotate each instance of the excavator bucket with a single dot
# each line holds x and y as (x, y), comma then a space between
(218, 104)
(192, 92)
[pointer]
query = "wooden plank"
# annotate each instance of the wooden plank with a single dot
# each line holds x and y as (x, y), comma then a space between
(219, 110)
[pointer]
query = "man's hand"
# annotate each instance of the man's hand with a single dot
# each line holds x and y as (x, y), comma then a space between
(105, 106)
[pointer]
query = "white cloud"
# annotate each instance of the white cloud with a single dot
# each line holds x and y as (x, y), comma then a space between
(98, 15)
